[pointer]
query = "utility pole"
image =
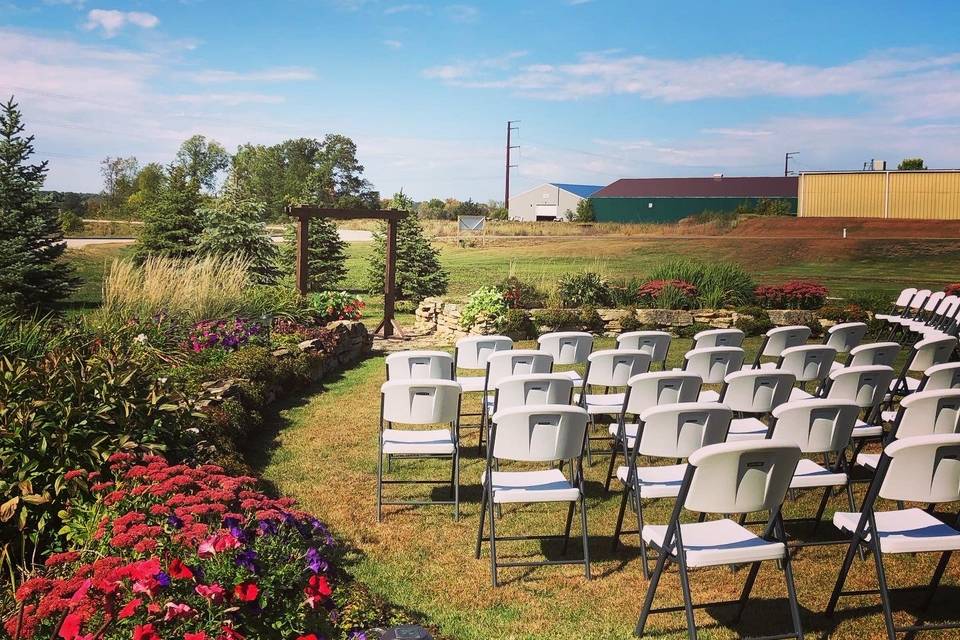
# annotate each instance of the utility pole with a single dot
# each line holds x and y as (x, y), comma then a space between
(786, 162)
(506, 177)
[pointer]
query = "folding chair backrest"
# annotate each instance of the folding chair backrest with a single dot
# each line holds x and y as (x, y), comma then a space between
(516, 362)
(718, 338)
(808, 362)
(420, 401)
(875, 353)
(905, 297)
(539, 433)
(929, 412)
(757, 390)
(472, 351)
(615, 367)
(656, 343)
(713, 364)
(931, 351)
(920, 299)
(408, 365)
(816, 425)
(944, 309)
(923, 469)
(534, 388)
(661, 387)
(781, 338)
(942, 376)
(866, 386)
(845, 336)
(677, 430)
(933, 300)
(741, 477)
(567, 347)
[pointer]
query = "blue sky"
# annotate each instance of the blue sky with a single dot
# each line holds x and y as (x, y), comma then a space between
(604, 89)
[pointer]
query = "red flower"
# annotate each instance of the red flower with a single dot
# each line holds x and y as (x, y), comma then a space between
(200, 635)
(178, 570)
(228, 633)
(145, 632)
(309, 636)
(129, 609)
(317, 590)
(246, 591)
(70, 628)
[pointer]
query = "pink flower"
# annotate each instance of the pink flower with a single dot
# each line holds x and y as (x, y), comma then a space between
(70, 629)
(177, 610)
(212, 592)
(129, 609)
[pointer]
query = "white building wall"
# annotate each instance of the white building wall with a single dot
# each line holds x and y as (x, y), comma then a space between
(543, 201)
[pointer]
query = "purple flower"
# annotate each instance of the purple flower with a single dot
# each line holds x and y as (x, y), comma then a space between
(247, 559)
(162, 579)
(315, 562)
(267, 527)
(174, 521)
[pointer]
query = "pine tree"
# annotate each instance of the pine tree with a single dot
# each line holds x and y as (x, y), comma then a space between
(233, 224)
(326, 254)
(32, 275)
(171, 225)
(419, 272)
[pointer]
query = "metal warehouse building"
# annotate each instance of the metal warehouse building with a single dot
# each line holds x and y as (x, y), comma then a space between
(905, 195)
(670, 199)
(549, 201)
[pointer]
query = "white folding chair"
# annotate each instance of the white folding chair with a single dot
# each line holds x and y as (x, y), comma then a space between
(506, 364)
(845, 336)
(923, 355)
(471, 353)
(717, 338)
(656, 343)
(726, 478)
(780, 338)
(420, 402)
(808, 363)
(932, 322)
(532, 389)
(866, 386)
(924, 469)
(900, 306)
(535, 434)
(645, 391)
(819, 427)
(752, 395)
(871, 354)
(932, 305)
(672, 431)
(567, 348)
(712, 365)
(610, 369)
(941, 376)
(419, 365)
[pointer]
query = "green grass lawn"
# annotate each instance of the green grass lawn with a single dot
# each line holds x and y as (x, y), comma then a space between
(323, 452)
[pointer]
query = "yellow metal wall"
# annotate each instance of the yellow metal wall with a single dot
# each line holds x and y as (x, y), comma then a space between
(914, 195)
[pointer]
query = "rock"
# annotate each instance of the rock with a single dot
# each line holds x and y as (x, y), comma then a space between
(787, 317)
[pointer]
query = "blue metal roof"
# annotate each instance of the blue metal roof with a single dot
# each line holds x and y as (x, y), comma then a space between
(582, 190)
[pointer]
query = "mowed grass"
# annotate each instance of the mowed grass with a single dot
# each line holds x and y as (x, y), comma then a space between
(324, 454)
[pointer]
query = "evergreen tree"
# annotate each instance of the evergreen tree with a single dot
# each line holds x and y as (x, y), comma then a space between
(171, 226)
(233, 224)
(31, 240)
(419, 272)
(326, 254)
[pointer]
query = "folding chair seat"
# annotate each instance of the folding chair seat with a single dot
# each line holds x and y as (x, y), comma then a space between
(717, 338)
(845, 336)
(931, 304)
(670, 431)
(778, 339)
(567, 348)
(868, 355)
(712, 365)
(726, 478)
(752, 395)
(908, 311)
(471, 353)
(645, 391)
(419, 402)
(931, 321)
(924, 469)
(534, 434)
(655, 343)
(506, 364)
(420, 365)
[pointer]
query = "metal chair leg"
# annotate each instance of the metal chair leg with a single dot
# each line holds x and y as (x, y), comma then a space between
(566, 528)
(619, 526)
(483, 515)
(882, 583)
(685, 587)
(638, 503)
(937, 575)
(747, 588)
(613, 460)
(842, 577)
(380, 486)
(456, 487)
(586, 536)
(792, 593)
(651, 592)
(493, 545)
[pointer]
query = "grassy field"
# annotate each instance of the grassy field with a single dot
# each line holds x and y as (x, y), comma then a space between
(322, 451)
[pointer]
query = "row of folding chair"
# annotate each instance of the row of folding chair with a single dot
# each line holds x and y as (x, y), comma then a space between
(924, 313)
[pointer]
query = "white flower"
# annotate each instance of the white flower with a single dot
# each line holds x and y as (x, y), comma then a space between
(141, 339)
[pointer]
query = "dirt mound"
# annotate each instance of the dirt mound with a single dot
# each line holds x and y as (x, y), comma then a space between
(788, 227)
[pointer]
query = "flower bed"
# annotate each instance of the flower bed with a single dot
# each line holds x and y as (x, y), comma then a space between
(172, 551)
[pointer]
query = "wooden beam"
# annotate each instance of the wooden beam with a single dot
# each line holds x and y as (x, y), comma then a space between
(390, 280)
(306, 211)
(303, 252)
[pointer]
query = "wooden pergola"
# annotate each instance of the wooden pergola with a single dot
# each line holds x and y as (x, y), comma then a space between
(304, 213)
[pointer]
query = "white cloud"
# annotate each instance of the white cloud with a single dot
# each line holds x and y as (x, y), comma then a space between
(112, 21)
(70, 3)
(229, 99)
(393, 44)
(273, 74)
(415, 7)
(463, 12)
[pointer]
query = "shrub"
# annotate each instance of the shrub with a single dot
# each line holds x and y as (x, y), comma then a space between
(844, 313)
(757, 324)
(583, 289)
(667, 294)
(519, 294)
(177, 551)
(793, 294)
(71, 222)
(720, 219)
(485, 305)
(728, 282)
(229, 335)
(952, 289)
(625, 292)
(518, 325)
(335, 305)
(873, 300)
(590, 320)
(556, 320)
(631, 322)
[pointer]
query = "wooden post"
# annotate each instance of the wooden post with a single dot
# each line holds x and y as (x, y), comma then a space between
(303, 246)
(390, 279)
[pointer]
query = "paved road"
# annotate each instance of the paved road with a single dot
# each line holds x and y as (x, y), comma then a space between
(347, 235)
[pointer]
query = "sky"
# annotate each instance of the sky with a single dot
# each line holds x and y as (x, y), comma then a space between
(603, 89)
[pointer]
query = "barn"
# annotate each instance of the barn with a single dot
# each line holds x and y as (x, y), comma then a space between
(550, 201)
(670, 199)
(904, 195)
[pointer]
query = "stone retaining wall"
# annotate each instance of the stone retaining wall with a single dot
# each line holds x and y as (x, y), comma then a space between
(441, 317)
